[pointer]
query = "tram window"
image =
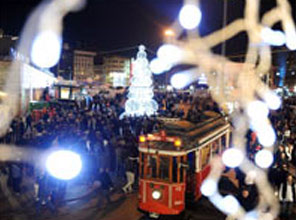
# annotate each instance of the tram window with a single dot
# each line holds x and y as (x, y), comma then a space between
(215, 148)
(205, 155)
(164, 165)
(142, 163)
(223, 142)
(191, 161)
(176, 170)
(152, 166)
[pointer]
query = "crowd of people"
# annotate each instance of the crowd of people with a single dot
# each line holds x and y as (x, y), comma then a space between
(108, 145)
(281, 174)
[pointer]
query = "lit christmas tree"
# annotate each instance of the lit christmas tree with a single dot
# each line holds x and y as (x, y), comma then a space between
(140, 97)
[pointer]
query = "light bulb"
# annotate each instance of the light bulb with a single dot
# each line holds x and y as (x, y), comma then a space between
(275, 38)
(158, 66)
(190, 16)
(232, 157)
(169, 53)
(46, 49)
(264, 158)
(64, 164)
(209, 187)
(257, 110)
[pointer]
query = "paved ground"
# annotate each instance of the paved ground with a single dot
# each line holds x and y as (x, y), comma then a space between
(81, 204)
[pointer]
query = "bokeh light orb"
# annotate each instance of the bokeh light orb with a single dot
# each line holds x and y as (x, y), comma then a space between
(264, 158)
(190, 16)
(232, 157)
(257, 110)
(266, 136)
(63, 164)
(275, 38)
(46, 49)
(158, 66)
(170, 53)
(209, 187)
(230, 205)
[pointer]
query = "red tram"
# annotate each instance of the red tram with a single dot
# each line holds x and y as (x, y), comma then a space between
(174, 161)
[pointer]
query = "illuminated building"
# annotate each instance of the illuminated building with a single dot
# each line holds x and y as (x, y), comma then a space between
(117, 70)
(84, 65)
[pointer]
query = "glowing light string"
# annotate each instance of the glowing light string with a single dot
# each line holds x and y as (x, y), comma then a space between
(40, 44)
(238, 83)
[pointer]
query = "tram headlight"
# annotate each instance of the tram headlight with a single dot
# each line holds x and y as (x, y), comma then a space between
(156, 194)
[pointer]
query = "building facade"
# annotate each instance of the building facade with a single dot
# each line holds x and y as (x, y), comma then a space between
(84, 65)
(117, 70)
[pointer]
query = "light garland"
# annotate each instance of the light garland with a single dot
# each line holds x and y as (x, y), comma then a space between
(237, 83)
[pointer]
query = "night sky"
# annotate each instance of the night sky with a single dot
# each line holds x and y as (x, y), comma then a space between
(113, 24)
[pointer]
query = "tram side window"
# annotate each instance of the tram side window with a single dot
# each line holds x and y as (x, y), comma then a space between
(142, 159)
(215, 148)
(151, 166)
(223, 142)
(205, 155)
(164, 165)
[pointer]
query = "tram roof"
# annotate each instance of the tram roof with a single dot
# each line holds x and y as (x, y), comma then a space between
(191, 134)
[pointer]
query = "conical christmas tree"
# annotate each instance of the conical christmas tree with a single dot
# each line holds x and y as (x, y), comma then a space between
(140, 97)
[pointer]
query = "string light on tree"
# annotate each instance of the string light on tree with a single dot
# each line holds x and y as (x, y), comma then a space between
(140, 97)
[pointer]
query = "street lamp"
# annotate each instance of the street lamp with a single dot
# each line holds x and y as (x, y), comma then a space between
(169, 33)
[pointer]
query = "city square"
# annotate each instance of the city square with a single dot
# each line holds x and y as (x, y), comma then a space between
(143, 109)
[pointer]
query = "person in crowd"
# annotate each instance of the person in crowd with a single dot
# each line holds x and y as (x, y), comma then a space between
(44, 193)
(287, 197)
(247, 201)
(106, 186)
(130, 174)
(16, 177)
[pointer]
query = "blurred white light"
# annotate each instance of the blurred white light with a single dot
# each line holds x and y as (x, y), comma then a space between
(266, 136)
(158, 66)
(275, 38)
(64, 164)
(278, 74)
(169, 88)
(291, 38)
(209, 187)
(46, 49)
(229, 204)
(156, 194)
(190, 16)
(264, 158)
(272, 100)
(169, 53)
(181, 80)
(257, 110)
(253, 215)
(232, 157)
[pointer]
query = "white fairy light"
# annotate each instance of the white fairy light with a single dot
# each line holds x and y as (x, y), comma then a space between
(252, 215)
(229, 204)
(209, 187)
(232, 157)
(64, 164)
(266, 136)
(257, 110)
(159, 66)
(272, 100)
(169, 53)
(264, 158)
(46, 49)
(291, 39)
(275, 38)
(179, 81)
(190, 16)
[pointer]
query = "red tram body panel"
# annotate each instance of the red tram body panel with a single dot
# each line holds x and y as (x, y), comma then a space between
(171, 201)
